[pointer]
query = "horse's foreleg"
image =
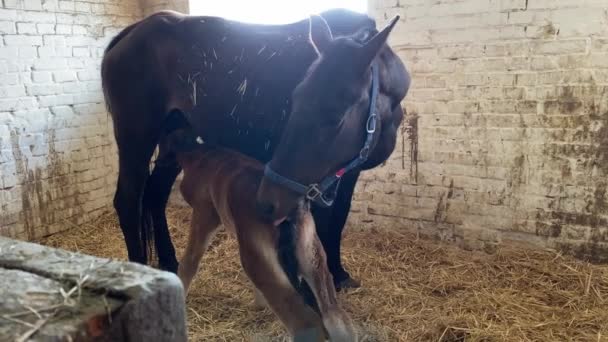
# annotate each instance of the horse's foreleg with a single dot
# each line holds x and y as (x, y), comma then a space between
(259, 258)
(205, 223)
(330, 224)
(313, 268)
(156, 195)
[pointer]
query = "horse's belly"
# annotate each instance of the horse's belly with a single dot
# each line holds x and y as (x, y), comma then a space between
(250, 136)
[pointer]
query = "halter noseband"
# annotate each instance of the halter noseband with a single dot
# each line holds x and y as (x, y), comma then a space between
(317, 192)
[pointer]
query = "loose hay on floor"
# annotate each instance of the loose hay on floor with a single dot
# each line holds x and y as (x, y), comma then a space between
(413, 289)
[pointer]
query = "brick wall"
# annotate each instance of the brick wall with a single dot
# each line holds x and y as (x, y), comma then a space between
(506, 134)
(57, 159)
(151, 6)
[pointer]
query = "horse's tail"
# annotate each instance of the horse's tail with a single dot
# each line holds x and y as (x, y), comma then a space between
(176, 136)
(286, 248)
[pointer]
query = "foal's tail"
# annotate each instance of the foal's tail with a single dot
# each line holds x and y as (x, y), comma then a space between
(287, 258)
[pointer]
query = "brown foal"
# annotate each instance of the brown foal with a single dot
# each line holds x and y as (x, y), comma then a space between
(220, 185)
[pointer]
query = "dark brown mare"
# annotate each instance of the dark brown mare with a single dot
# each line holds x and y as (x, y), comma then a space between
(220, 186)
(233, 82)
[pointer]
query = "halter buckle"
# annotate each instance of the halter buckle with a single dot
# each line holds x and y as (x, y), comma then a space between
(364, 153)
(313, 192)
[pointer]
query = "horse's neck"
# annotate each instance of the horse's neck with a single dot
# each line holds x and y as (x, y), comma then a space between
(244, 81)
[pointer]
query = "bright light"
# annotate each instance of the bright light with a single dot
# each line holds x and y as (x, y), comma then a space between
(271, 11)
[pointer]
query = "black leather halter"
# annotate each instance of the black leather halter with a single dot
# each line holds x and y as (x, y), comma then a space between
(319, 192)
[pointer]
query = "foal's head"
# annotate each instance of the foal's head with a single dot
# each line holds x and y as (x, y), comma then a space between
(330, 107)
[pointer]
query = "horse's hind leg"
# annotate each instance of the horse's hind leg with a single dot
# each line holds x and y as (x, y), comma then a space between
(205, 223)
(313, 268)
(257, 247)
(156, 195)
(133, 159)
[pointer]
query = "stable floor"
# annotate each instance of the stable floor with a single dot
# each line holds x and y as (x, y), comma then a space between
(414, 289)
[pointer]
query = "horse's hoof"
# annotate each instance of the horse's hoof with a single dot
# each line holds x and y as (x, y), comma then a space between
(348, 283)
(172, 267)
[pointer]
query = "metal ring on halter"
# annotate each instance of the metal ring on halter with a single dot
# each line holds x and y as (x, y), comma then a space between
(370, 126)
(313, 192)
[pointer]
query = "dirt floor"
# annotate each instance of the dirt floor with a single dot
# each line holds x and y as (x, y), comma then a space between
(413, 289)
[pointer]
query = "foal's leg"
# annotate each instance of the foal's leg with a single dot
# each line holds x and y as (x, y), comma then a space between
(257, 247)
(259, 301)
(313, 267)
(205, 222)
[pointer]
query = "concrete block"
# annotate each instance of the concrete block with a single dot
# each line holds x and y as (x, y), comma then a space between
(84, 298)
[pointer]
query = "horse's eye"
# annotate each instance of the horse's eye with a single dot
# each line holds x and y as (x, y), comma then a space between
(332, 122)
(364, 36)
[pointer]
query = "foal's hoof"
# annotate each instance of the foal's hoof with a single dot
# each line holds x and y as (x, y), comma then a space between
(309, 335)
(259, 302)
(347, 283)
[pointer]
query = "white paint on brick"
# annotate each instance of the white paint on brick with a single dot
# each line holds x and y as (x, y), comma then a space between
(46, 28)
(26, 28)
(22, 40)
(7, 27)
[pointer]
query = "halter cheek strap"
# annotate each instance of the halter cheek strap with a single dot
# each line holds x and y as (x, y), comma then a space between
(324, 192)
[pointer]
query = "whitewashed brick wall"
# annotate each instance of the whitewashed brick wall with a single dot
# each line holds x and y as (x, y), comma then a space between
(151, 6)
(506, 136)
(57, 159)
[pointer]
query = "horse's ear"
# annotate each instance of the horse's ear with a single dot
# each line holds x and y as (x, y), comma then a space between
(373, 46)
(319, 33)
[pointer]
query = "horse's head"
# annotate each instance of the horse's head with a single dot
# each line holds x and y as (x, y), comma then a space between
(330, 111)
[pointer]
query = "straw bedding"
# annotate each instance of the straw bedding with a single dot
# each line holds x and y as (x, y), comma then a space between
(414, 289)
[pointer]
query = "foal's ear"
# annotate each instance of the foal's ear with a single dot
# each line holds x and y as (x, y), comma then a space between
(319, 33)
(373, 46)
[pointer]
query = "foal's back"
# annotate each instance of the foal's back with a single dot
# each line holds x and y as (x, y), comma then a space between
(223, 178)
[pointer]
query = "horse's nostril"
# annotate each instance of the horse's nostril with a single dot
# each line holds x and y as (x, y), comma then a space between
(266, 209)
